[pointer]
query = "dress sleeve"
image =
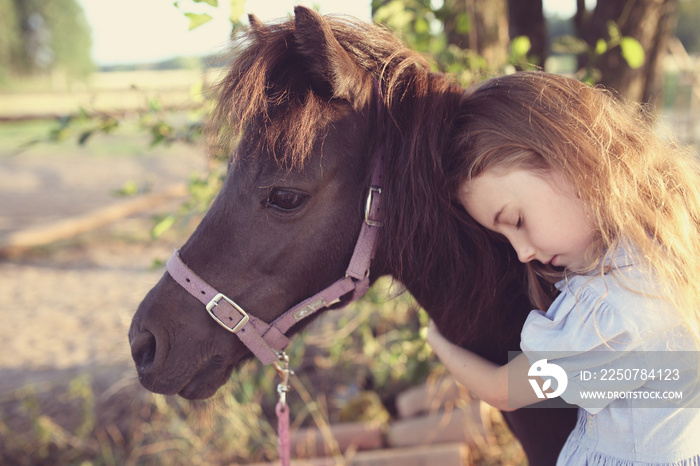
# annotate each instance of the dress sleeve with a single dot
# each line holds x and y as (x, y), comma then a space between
(587, 336)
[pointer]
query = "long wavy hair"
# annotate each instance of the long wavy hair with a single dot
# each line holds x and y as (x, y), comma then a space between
(638, 186)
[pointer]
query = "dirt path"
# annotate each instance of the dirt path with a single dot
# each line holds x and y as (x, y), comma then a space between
(69, 306)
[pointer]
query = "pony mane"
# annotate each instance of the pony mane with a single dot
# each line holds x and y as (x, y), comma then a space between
(267, 94)
(266, 103)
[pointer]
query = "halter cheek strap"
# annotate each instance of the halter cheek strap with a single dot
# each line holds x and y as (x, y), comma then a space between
(265, 340)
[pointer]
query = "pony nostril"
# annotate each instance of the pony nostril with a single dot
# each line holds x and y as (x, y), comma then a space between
(143, 350)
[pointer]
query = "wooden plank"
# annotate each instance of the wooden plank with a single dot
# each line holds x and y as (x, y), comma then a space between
(461, 425)
(310, 442)
(429, 397)
(22, 240)
(450, 454)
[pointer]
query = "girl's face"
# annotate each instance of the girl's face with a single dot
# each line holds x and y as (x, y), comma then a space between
(539, 214)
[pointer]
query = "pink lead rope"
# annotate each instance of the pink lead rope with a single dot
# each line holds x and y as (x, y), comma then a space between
(283, 433)
(282, 410)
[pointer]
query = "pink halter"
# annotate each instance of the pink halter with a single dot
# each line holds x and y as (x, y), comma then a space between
(266, 341)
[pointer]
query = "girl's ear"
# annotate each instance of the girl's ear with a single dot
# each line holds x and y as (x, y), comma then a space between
(333, 73)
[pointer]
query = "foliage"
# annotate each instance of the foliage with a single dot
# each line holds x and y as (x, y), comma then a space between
(343, 361)
(197, 19)
(202, 190)
(42, 37)
(149, 429)
(422, 24)
(163, 126)
(632, 51)
(417, 21)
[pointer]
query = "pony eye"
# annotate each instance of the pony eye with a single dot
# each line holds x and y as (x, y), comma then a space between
(286, 199)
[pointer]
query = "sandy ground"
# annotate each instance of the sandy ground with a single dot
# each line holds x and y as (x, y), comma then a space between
(69, 305)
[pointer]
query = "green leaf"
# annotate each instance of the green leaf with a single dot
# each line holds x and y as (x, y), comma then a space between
(162, 226)
(157, 263)
(237, 10)
(213, 3)
(463, 23)
(109, 124)
(83, 114)
(614, 32)
(632, 52)
(520, 46)
(130, 188)
(395, 15)
(84, 137)
(154, 104)
(601, 47)
(160, 132)
(59, 134)
(197, 20)
(421, 26)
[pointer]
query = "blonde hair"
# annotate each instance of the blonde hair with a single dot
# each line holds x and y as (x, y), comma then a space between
(638, 187)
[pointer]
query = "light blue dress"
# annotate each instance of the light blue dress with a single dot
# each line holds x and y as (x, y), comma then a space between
(597, 325)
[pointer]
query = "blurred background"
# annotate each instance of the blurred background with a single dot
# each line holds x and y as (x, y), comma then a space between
(103, 172)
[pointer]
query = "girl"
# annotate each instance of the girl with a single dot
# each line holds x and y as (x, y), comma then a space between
(606, 216)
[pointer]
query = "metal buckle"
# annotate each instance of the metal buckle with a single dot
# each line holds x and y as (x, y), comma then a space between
(283, 370)
(215, 302)
(368, 207)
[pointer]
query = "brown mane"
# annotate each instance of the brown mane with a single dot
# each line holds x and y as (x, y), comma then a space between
(267, 87)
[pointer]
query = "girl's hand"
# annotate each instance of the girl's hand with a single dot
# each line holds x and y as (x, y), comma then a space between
(484, 379)
(437, 341)
(433, 333)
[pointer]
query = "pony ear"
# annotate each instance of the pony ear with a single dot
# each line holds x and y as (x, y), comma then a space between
(255, 23)
(333, 73)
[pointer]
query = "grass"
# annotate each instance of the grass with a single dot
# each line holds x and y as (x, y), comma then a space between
(15, 134)
(351, 366)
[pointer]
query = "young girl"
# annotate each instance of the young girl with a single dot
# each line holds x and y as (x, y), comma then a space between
(606, 216)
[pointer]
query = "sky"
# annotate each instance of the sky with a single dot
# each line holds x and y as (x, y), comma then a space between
(140, 31)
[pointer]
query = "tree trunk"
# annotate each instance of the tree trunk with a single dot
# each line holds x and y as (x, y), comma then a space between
(527, 19)
(488, 31)
(651, 22)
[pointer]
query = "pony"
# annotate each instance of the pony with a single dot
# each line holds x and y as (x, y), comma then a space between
(304, 109)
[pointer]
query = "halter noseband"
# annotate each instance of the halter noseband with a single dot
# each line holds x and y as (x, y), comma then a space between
(265, 340)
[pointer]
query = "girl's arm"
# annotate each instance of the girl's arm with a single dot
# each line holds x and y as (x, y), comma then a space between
(484, 379)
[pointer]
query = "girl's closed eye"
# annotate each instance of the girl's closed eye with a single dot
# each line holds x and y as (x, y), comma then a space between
(519, 223)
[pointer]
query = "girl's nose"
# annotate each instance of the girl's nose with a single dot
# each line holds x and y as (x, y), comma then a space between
(525, 251)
